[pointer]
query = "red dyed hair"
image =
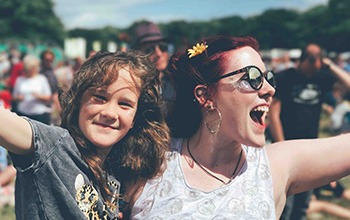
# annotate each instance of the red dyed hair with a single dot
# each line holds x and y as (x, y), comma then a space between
(199, 70)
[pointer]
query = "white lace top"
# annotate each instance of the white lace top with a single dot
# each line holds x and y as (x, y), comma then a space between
(248, 196)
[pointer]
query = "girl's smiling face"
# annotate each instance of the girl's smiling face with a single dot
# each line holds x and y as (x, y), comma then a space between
(243, 112)
(107, 114)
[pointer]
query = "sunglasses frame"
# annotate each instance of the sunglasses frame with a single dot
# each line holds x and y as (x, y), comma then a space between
(246, 76)
(152, 47)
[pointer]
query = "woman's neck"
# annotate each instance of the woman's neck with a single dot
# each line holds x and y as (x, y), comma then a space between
(208, 163)
(213, 150)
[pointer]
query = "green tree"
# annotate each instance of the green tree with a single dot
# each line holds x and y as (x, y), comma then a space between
(32, 20)
(275, 28)
(327, 25)
(314, 24)
(338, 30)
(180, 33)
(232, 26)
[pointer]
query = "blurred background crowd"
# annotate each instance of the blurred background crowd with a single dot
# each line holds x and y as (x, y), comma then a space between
(38, 57)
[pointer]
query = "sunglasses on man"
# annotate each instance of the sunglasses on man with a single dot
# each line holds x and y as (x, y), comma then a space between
(151, 48)
(254, 76)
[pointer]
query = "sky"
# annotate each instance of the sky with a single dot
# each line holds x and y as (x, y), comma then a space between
(91, 14)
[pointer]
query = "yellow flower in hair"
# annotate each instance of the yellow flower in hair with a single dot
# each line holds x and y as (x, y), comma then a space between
(197, 49)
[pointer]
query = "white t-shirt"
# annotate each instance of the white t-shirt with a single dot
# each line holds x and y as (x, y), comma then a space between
(26, 87)
(337, 117)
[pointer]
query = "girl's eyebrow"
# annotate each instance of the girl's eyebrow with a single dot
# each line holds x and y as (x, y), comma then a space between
(101, 90)
(131, 101)
(104, 91)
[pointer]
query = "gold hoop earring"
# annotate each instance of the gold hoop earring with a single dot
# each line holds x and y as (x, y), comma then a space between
(213, 119)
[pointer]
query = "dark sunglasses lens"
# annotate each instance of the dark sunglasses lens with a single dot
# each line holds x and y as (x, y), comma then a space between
(255, 78)
(270, 77)
(149, 50)
(163, 47)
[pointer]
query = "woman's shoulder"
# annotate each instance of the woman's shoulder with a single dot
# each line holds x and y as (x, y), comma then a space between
(254, 153)
(20, 79)
(41, 77)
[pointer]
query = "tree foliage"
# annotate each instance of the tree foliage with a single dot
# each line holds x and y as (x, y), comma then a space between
(327, 25)
(32, 20)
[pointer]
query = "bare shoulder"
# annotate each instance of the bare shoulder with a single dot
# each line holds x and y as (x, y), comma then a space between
(277, 153)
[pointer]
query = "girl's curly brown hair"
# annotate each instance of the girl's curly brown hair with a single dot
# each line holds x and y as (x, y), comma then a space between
(141, 152)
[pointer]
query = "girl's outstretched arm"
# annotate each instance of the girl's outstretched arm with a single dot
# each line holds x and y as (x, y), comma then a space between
(15, 133)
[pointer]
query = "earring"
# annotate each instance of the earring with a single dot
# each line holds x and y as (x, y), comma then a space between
(213, 119)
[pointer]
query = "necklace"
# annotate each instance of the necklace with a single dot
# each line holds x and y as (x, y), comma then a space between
(209, 173)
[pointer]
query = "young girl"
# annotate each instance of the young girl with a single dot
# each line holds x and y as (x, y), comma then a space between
(112, 128)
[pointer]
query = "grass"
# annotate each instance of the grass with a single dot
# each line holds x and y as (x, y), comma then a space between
(328, 196)
(7, 213)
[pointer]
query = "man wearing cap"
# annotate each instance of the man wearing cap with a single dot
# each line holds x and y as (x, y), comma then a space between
(150, 40)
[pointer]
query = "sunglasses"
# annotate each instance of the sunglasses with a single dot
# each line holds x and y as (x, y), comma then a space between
(253, 76)
(162, 47)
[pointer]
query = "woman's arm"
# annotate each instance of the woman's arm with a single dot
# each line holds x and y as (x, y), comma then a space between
(301, 165)
(15, 133)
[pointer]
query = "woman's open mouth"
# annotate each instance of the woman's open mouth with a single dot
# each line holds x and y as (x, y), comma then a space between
(258, 114)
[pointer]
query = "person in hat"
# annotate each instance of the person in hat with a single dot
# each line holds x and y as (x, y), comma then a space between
(149, 39)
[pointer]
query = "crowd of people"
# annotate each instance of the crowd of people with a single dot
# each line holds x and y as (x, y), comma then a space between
(146, 134)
